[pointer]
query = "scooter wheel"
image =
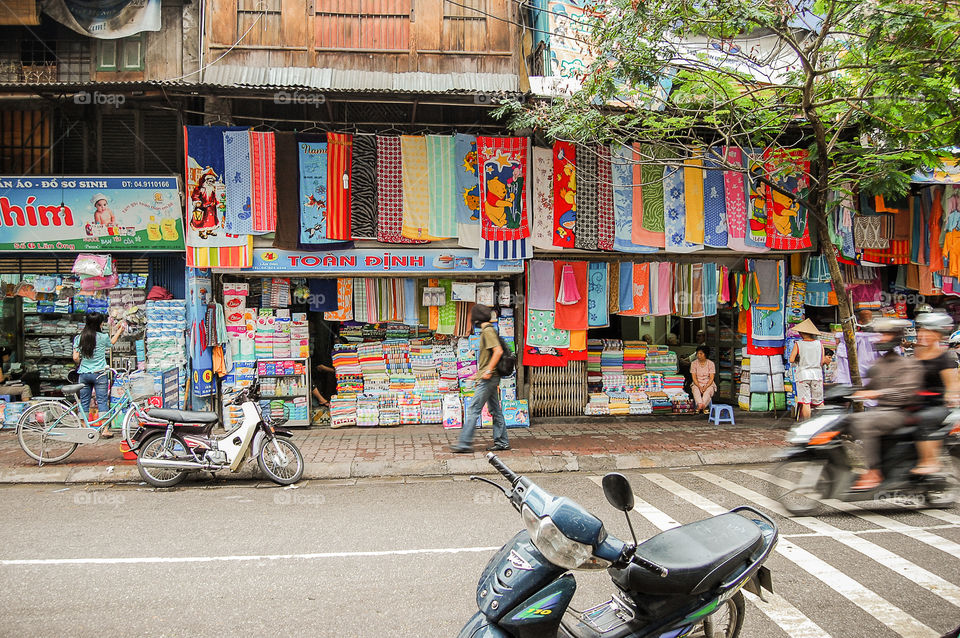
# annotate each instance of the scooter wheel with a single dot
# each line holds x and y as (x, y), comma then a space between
(284, 465)
(726, 622)
(802, 485)
(152, 448)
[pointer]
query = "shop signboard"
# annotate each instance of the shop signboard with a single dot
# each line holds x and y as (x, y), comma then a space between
(394, 261)
(90, 213)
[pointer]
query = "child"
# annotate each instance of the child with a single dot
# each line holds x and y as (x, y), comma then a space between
(103, 214)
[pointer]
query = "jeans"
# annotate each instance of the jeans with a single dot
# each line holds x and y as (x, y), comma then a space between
(487, 393)
(99, 381)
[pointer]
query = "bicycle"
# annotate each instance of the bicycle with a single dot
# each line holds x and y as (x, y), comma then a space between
(51, 430)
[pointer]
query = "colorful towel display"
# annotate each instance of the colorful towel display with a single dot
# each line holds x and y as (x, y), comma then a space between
(263, 160)
(339, 185)
(605, 215)
(502, 162)
(313, 192)
(586, 199)
(416, 188)
(541, 223)
(786, 219)
(363, 195)
(652, 187)
(674, 213)
(597, 286)
(390, 192)
(571, 316)
(468, 190)
(621, 169)
(714, 203)
(693, 184)
(640, 233)
(443, 186)
(564, 194)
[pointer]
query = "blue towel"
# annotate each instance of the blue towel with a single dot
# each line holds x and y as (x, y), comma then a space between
(597, 295)
(626, 286)
(468, 183)
(714, 206)
(674, 212)
(323, 295)
(710, 283)
(411, 305)
(313, 192)
(621, 172)
(238, 217)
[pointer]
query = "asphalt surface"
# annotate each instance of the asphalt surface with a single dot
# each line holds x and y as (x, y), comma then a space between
(360, 558)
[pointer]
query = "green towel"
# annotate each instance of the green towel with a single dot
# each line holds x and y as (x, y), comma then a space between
(652, 190)
(448, 311)
(443, 203)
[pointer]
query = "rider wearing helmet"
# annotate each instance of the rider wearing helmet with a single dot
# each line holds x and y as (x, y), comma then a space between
(940, 384)
(894, 383)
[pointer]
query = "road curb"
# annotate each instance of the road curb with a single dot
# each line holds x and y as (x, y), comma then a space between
(459, 466)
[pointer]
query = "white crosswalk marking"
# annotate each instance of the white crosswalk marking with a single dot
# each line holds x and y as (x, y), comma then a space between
(882, 556)
(776, 607)
(916, 533)
(893, 617)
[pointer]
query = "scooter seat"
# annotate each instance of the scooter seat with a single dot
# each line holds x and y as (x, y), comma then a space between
(182, 416)
(698, 556)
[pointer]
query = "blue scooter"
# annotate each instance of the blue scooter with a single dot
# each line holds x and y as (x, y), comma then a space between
(669, 586)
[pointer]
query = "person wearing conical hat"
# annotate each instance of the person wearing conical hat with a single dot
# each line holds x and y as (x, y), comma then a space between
(808, 359)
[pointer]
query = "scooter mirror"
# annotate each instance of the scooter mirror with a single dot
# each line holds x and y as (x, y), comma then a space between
(618, 491)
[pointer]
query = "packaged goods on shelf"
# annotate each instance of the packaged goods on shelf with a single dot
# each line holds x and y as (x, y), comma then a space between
(452, 411)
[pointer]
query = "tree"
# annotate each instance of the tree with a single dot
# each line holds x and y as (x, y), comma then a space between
(870, 87)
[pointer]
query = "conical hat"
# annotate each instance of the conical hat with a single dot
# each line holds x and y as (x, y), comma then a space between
(807, 327)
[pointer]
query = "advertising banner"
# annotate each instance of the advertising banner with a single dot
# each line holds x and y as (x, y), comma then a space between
(105, 20)
(90, 213)
(398, 261)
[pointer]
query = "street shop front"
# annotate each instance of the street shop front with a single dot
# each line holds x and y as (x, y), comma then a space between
(73, 245)
(379, 336)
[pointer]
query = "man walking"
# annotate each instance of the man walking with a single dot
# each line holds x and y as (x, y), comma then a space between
(487, 391)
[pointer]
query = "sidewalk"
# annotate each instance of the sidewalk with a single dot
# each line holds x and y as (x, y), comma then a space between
(551, 445)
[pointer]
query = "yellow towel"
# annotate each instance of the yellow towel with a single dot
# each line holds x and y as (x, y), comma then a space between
(416, 188)
(693, 199)
(578, 340)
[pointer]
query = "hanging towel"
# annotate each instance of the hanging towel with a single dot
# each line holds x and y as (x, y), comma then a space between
(664, 287)
(540, 288)
(623, 193)
(541, 227)
(714, 203)
(613, 298)
(339, 161)
(509, 250)
(936, 222)
(767, 271)
(448, 311)
(597, 284)
(605, 220)
(263, 161)
(323, 295)
(373, 300)
(693, 199)
(568, 295)
(786, 219)
(817, 280)
(390, 192)
(238, 218)
(734, 193)
(363, 195)
(468, 190)
(674, 213)
(443, 185)
(641, 292)
(288, 192)
(344, 311)
(433, 312)
(313, 192)
(573, 316)
(542, 334)
(625, 287)
(416, 188)
(564, 194)
(578, 340)
(503, 174)
(756, 231)
(587, 222)
(711, 289)
(653, 284)
(360, 307)
(411, 306)
(652, 173)
(640, 235)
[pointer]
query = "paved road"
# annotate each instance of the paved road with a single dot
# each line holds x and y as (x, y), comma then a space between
(390, 558)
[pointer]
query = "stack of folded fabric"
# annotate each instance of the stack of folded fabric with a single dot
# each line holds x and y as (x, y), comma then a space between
(634, 358)
(403, 383)
(672, 382)
(343, 411)
(349, 383)
(389, 410)
(345, 359)
(431, 408)
(409, 404)
(370, 356)
(598, 405)
(665, 362)
(619, 404)
(594, 365)
(445, 361)
(376, 383)
(397, 356)
(682, 405)
(368, 410)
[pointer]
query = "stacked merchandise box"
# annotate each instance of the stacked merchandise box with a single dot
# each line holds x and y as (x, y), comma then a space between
(281, 334)
(12, 411)
(166, 341)
(516, 414)
(287, 389)
(243, 374)
(265, 331)
(452, 411)
(766, 383)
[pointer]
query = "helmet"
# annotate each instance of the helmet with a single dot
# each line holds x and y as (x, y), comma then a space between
(922, 308)
(954, 339)
(888, 325)
(936, 321)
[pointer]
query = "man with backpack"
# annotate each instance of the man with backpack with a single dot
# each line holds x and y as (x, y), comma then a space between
(492, 360)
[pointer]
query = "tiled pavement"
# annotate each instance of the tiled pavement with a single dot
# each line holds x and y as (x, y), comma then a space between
(550, 445)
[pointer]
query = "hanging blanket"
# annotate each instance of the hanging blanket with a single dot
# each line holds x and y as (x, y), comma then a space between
(639, 233)
(786, 219)
(468, 190)
(597, 284)
(571, 316)
(674, 212)
(390, 192)
(756, 233)
(623, 194)
(238, 216)
(735, 194)
(288, 192)
(652, 187)
(503, 198)
(714, 204)
(540, 295)
(541, 227)
(640, 290)
(542, 334)
(344, 311)
(817, 282)
(688, 290)
(693, 185)
(767, 314)
(586, 198)
(711, 289)
(625, 287)
(443, 185)
(664, 287)
(313, 192)
(263, 161)
(363, 196)
(416, 188)
(605, 222)
(564, 194)
(339, 181)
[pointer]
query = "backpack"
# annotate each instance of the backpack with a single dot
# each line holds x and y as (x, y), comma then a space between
(508, 361)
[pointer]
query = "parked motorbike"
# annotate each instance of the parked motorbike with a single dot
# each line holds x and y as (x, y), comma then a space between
(667, 586)
(818, 466)
(176, 442)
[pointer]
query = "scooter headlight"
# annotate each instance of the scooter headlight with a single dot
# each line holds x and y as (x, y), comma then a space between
(557, 548)
(804, 431)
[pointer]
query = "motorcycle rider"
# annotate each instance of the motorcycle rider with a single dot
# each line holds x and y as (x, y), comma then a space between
(941, 384)
(894, 383)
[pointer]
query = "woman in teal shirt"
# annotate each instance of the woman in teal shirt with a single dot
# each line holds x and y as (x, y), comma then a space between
(90, 351)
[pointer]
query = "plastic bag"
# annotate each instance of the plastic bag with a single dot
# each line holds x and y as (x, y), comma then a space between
(90, 265)
(98, 283)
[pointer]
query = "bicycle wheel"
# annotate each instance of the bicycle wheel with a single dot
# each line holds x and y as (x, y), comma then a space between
(281, 461)
(131, 424)
(37, 431)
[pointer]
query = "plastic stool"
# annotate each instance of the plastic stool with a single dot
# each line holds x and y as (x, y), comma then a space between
(721, 413)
